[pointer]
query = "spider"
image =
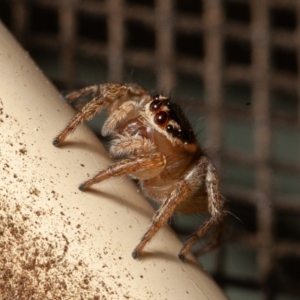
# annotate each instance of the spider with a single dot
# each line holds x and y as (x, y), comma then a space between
(156, 145)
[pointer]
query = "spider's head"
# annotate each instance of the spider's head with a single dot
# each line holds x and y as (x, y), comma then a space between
(167, 118)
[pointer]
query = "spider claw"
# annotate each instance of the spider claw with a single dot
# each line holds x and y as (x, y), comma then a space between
(82, 187)
(181, 256)
(56, 142)
(135, 254)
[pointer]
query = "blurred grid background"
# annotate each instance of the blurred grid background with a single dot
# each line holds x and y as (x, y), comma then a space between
(235, 67)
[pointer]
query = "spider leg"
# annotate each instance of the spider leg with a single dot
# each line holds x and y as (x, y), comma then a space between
(215, 210)
(118, 116)
(92, 90)
(214, 240)
(153, 164)
(107, 93)
(163, 214)
(128, 145)
(93, 107)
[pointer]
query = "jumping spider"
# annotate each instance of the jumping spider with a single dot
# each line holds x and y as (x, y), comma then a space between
(155, 145)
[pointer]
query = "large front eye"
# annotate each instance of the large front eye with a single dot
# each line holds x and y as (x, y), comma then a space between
(161, 118)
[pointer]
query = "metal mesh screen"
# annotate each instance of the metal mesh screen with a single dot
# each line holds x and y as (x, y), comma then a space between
(234, 63)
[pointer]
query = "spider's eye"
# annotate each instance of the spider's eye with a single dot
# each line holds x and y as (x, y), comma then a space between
(170, 128)
(179, 133)
(186, 136)
(183, 135)
(156, 104)
(161, 118)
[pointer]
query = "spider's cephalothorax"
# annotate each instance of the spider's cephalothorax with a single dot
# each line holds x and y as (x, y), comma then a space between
(156, 145)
